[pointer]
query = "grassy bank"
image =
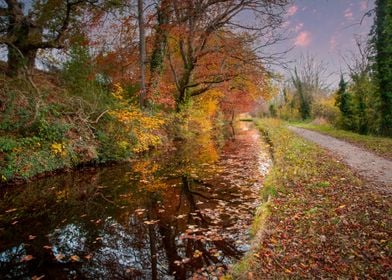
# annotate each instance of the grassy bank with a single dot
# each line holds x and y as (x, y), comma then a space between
(322, 221)
(381, 146)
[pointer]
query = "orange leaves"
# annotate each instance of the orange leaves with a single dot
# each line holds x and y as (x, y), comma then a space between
(27, 258)
(75, 258)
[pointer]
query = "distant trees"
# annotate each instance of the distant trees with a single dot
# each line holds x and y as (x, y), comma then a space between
(364, 101)
(344, 103)
(309, 81)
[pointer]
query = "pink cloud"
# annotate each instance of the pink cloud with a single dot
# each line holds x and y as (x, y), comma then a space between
(286, 24)
(292, 10)
(333, 43)
(303, 39)
(363, 5)
(348, 14)
(298, 27)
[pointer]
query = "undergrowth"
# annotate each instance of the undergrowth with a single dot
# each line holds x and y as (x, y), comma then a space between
(59, 124)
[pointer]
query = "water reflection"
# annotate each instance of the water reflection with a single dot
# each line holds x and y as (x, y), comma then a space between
(180, 213)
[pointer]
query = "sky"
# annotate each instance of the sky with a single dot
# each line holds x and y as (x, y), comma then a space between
(326, 29)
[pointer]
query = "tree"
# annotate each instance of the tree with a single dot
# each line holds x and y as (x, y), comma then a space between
(205, 37)
(344, 103)
(48, 24)
(365, 100)
(309, 80)
(382, 42)
(142, 52)
(304, 97)
(158, 54)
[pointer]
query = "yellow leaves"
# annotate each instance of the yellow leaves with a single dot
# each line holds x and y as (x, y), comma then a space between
(140, 126)
(139, 129)
(58, 149)
(197, 254)
(123, 145)
(118, 92)
(17, 149)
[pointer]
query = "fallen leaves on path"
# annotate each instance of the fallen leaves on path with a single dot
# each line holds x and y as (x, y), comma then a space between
(339, 230)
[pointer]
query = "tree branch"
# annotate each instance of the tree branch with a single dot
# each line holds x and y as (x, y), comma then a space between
(209, 85)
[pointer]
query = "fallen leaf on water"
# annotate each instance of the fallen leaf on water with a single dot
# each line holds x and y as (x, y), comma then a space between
(11, 210)
(88, 257)
(180, 216)
(35, 277)
(27, 258)
(59, 257)
(47, 247)
(31, 237)
(75, 258)
(152, 222)
(197, 254)
(14, 222)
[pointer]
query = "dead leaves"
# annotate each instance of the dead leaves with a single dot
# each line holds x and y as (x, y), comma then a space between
(27, 258)
(322, 226)
(75, 258)
(151, 222)
(32, 237)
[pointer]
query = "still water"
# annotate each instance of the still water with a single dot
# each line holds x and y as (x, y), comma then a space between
(181, 213)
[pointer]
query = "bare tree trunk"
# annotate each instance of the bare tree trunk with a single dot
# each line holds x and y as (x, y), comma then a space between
(142, 54)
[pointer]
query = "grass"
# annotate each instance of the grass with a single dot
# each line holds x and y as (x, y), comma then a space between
(321, 220)
(381, 146)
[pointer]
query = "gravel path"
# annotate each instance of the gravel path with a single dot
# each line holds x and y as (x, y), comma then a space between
(374, 168)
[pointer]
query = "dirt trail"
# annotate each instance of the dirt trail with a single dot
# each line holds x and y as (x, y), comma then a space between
(374, 168)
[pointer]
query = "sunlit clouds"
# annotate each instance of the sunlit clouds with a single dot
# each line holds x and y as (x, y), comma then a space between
(303, 39)
(298, 27)
(333, 43)
(292, 10)
(348, 14)
(363, 5)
